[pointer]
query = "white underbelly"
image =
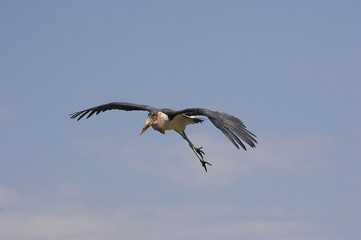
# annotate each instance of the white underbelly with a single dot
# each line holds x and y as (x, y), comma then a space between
(178, 123)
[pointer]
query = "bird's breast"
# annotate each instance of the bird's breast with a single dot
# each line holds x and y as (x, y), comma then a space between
(178, 123)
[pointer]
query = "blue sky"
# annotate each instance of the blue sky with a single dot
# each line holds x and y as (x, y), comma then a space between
(289, 69)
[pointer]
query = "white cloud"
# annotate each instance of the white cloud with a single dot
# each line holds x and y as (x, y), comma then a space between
(296, 154)
(47, 226)
(300, 153)
(33, 218)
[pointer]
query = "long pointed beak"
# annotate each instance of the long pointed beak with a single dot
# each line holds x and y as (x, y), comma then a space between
(147, 124)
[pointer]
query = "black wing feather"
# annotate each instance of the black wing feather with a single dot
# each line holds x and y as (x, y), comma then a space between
(231, 127)
(110, 106)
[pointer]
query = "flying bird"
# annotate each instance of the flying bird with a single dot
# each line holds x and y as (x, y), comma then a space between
(165, 119)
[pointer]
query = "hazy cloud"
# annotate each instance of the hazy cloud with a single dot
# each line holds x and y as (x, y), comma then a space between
(27, 219)
(7, 196)
(285, 154)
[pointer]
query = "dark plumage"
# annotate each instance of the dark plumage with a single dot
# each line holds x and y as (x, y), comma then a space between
(166, 119)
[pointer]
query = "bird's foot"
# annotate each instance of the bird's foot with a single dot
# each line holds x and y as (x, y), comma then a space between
(199, 151)
(204, 164)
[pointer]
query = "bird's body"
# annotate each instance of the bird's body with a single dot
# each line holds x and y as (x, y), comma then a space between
(166, 119)
(178, 123)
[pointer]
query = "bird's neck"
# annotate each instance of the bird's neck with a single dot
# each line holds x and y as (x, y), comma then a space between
(161, 123)
(162, 118)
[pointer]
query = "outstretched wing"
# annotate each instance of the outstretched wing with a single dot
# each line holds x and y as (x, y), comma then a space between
(232, 127)
(110, 106)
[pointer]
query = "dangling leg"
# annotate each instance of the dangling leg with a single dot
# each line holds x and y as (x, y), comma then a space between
(199, 153)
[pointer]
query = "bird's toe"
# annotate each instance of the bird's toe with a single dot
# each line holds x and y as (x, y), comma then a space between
(200, 152)
(204, 164)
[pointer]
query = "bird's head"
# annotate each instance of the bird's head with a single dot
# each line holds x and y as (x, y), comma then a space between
(157, 120)
(151, 120)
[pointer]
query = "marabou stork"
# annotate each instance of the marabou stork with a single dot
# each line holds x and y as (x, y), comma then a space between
(165, 119)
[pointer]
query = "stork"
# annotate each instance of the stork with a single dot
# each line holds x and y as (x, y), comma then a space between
(165, 119)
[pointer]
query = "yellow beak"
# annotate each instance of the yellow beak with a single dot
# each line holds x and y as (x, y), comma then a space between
(147, 124)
